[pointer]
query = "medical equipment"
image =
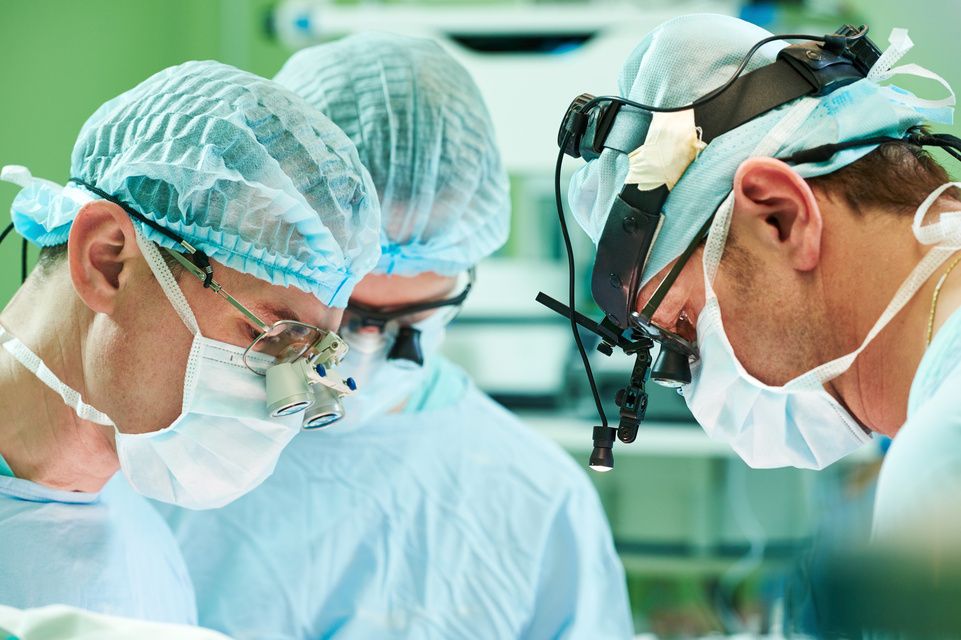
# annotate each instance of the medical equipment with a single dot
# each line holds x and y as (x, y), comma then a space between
(392, 350)
(301, 385)
(593, 124)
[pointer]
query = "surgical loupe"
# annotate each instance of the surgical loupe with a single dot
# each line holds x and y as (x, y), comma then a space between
(310, 386)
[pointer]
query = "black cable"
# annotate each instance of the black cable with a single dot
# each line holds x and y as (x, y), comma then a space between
(825, 152)
(198, 257)
(710, 95)
(129, 209)
(568, 246)
(6, 232)
(23, 261)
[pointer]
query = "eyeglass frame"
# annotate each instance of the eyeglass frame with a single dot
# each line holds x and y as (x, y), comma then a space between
(382, 315)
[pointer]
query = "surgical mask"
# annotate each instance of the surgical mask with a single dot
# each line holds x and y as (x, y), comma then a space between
(384, 383)
(798, 424)
(223, 444)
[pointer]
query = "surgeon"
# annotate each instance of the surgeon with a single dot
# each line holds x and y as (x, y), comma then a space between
(430, 511)
(208, 210)
(824, 299)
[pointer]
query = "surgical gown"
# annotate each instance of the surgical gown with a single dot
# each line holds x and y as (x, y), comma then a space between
(108, 552)
(454, 521)
(919, 488)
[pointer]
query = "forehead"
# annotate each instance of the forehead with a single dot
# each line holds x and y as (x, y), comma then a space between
(379, 290)
(271, 302)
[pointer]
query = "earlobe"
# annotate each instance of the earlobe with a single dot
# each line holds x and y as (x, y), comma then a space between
(781, 211)
(101, 244)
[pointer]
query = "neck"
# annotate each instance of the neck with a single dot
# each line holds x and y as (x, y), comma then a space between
(42, 439)
(880, 251)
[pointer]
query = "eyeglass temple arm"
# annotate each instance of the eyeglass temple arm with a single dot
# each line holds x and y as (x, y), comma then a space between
(215, 286)
(661, 292)
(388, 314)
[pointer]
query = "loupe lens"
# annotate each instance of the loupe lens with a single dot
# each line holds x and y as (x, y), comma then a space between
(287, 390)
(325, 410)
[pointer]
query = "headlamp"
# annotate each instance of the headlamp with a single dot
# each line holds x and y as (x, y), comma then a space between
(592, 125)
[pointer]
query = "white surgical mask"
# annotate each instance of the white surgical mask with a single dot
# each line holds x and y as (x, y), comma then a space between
(383, 384)
(799, 424)
(221, 446)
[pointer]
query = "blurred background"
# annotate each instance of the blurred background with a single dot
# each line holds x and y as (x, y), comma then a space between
(709, 545)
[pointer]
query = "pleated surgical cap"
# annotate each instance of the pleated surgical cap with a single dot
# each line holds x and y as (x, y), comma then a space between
(687, 57)
(422, 129)
(240, 167)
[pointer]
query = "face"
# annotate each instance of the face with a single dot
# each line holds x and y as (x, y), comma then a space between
(137, 347)
(768, 283)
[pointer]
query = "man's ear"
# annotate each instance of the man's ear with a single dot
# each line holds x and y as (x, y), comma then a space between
(100, 250)
(779, 211)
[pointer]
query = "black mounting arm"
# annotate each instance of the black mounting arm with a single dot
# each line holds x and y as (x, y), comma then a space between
(632, 399)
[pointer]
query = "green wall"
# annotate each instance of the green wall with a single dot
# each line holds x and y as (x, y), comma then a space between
(933, 26)
(61, 59)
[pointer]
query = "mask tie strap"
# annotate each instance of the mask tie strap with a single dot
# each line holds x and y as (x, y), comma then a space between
(167, 281)
(947, 230)
(945, 235)
(899, 43)
(884, 69)
(35, 365)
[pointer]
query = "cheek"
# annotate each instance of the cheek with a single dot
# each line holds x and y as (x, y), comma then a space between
(140, 360)
(217, 318)
(761, 320)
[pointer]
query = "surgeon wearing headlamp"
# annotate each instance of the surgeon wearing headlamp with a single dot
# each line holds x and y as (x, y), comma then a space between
(429, 510)
(814, 248)
(212, 230)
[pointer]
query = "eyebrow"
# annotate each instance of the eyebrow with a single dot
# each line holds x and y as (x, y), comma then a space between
(271, 312)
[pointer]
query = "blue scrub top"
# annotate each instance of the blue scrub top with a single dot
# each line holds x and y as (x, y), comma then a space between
(5, 469)
(452, 521)
(108, 552)
(919, 487)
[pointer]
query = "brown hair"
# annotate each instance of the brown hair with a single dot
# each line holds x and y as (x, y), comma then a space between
(896, 176)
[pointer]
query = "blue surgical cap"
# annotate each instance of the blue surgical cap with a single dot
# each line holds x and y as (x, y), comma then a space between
(687, 57)
(421, 128)
(240, 167)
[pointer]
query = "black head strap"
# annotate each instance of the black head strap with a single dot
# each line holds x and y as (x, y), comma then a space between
(197, 256)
